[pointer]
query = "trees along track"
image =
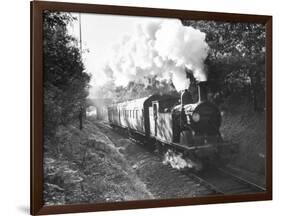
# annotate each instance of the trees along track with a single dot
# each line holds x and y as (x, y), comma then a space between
(218, 180)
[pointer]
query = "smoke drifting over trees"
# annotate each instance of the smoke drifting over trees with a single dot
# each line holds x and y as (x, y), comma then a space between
(158, 51)
(236, 61)
(161, 55)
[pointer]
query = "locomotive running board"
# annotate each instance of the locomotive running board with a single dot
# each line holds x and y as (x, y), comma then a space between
(194, 148)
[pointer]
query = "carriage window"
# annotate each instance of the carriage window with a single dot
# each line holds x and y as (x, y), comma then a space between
(136, 114)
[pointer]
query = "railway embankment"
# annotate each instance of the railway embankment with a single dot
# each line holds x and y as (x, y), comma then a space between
(247, 128)
(89, 169)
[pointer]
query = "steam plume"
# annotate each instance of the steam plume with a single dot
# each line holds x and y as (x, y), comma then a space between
(163, 49)
(176, 160)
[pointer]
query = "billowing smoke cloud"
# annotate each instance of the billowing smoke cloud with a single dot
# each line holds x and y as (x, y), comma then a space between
(162, 49)
(180, 79)
(184, 45)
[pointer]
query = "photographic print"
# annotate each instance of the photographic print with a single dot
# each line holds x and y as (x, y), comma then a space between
(135, 109)
(151, 108)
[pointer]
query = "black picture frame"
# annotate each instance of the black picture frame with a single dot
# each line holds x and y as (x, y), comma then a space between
(37, 107)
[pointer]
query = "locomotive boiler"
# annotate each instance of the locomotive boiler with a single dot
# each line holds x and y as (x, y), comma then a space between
(191, 128)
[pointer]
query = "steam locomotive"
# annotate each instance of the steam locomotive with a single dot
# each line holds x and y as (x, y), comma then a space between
(191, 128)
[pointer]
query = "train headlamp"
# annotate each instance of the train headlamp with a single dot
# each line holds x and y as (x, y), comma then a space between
(196, 117)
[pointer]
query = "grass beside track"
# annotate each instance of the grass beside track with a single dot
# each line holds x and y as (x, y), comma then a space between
(89, 169)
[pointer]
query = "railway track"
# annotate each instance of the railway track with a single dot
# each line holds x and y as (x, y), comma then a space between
(215, 181)
(225, 182)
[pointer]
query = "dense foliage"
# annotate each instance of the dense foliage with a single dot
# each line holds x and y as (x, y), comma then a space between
(65, 80)
(134, 90)
(137, 90)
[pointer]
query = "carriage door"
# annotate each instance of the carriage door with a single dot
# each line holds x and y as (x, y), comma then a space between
(119, 114)
(155, 116)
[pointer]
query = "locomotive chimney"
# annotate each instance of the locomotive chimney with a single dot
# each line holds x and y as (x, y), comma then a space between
(182, 93)
(186, 98)
(202, 91)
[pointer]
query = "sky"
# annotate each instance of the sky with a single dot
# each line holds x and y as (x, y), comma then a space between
(99, 35)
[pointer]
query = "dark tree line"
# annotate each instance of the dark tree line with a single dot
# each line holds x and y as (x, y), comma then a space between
(137, 90)
(65, 79)
(236, 62)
